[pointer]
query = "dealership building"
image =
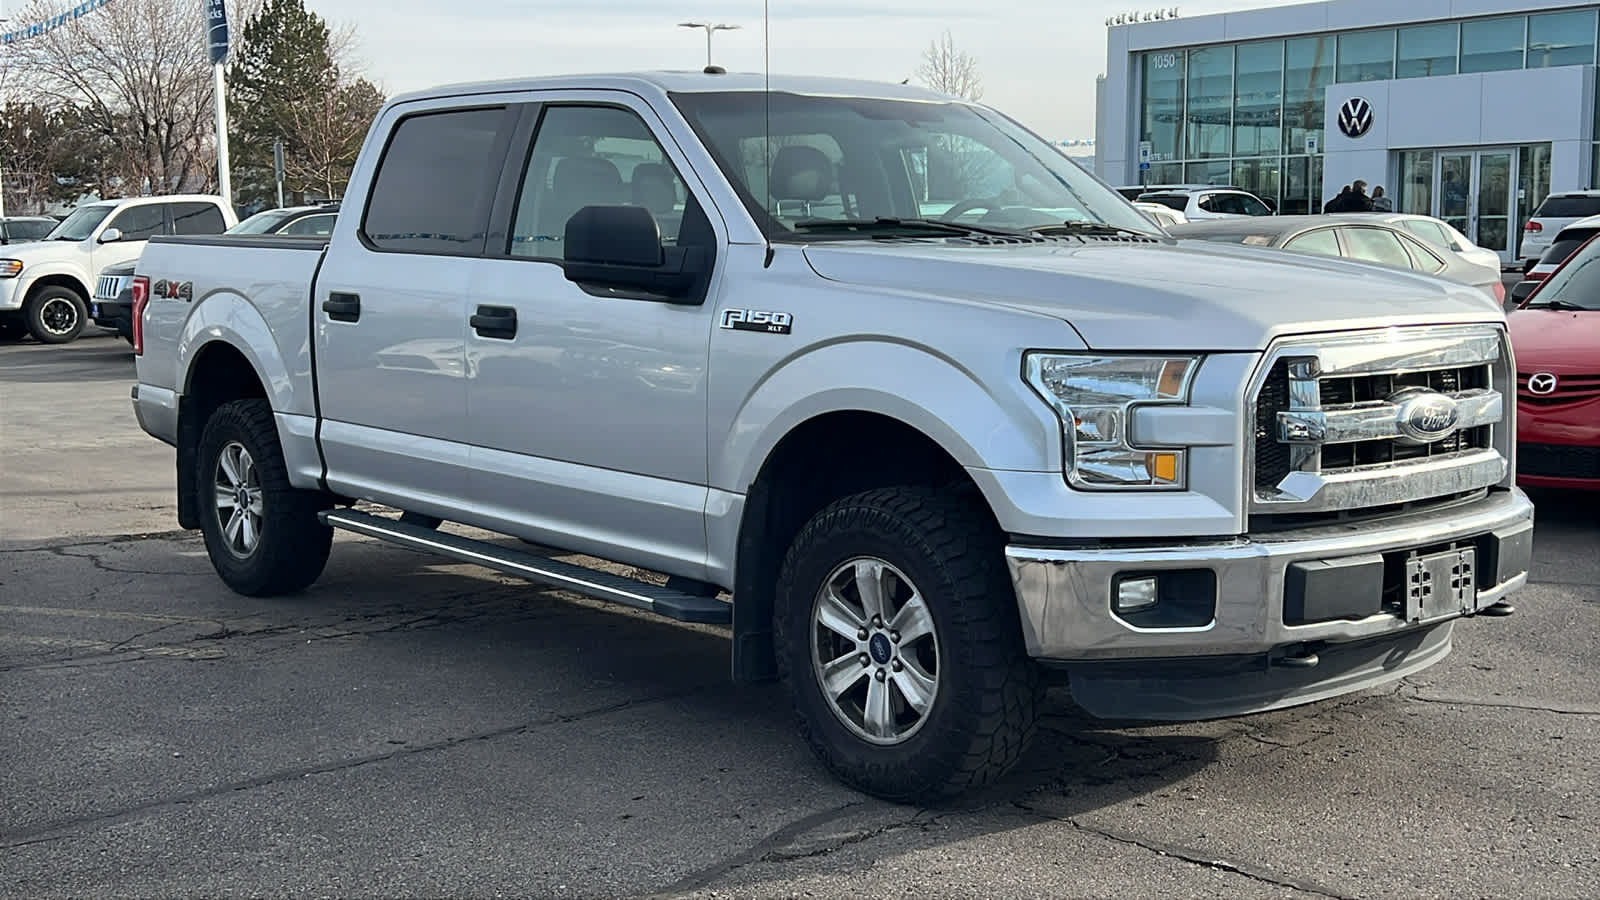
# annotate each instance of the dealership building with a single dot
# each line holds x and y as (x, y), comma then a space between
(1468, 110)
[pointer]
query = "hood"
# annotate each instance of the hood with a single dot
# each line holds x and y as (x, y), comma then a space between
(43, 251)
(1561, 340)
(1193, 295)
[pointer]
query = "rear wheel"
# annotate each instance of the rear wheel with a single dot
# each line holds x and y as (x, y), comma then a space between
(262, 533)
(900, 645)
(55, 315)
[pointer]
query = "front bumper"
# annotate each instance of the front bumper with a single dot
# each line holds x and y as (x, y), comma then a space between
(10, 297)
(1065, 595)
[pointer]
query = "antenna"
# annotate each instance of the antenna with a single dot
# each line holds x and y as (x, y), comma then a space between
(766, 94)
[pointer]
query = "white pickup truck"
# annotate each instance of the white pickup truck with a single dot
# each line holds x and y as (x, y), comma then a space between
(45, 285)
(879, 378)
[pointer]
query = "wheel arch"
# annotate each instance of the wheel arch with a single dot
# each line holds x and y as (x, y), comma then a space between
(218, 372)
(822, 459)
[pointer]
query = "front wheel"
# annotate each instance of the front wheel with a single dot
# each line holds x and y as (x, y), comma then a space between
(56, 315)
(901, 647)
(261, 532)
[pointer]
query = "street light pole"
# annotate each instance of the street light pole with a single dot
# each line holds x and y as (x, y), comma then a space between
(709, 28)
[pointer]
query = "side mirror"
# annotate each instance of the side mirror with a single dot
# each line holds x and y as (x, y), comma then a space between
(110, 235)
(620, 247)
(1521, 290)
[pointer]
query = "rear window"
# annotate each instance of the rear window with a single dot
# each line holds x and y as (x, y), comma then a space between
(1179, 202)
(435, 182)
(1557, 207)
(1569, 241)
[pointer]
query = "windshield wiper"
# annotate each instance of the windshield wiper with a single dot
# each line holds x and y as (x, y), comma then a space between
(1559, 304)
(892, 223)
(1085, 228)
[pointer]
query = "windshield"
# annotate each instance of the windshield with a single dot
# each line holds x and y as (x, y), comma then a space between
(1575, 285)
(260, 223)
(81, 224)
(838, 160)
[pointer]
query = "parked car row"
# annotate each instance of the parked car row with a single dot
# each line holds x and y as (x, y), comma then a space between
(57, 277)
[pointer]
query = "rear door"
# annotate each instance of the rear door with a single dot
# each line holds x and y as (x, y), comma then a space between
(390, 308)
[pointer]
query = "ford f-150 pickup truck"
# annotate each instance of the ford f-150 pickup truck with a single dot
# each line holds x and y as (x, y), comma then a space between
(917, 406)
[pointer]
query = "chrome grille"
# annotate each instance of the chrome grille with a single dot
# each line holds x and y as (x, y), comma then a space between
(109, 286)
(1355, 421)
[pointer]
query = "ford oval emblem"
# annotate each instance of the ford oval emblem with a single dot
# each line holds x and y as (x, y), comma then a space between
(1426, 416)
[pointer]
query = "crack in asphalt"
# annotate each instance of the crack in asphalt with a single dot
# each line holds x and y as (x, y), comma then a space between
(1194, 857)
(111, 540)
(95, 560)
(1485, 704)
(68, 827)
(777, 840)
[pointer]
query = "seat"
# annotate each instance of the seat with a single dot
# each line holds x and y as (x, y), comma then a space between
(578, 181)
(654, 188)
(802, 175)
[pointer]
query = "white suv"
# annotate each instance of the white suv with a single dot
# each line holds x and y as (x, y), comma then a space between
(45, 285)
(1210, 203)
(1555, 213)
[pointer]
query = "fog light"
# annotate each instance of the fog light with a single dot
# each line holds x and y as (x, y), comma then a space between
(1136, 594)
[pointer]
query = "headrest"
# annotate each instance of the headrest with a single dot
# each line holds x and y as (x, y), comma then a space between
(801, 173)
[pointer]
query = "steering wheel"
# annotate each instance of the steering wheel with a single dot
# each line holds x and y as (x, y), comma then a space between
(965, 206)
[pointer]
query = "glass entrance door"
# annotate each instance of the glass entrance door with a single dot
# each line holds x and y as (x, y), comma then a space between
(1492, 218)
(1475, 192)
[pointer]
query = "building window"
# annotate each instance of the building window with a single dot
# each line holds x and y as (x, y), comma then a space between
(1217, 172)
(1366, 56)
(1416, 183)
(1261, 177)
(1258, 99)
(1308, 70)
(1209, 109)
(1493, 45)
(1427, 50)
(1561, 39)
(1163, 103)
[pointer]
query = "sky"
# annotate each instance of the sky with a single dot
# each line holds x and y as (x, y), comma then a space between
(1038, 58)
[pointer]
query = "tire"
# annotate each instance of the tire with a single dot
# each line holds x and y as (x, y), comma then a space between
(56, 315)
(980, 714)
(290, 546)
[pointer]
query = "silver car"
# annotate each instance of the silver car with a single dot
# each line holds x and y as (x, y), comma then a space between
(1362, 237)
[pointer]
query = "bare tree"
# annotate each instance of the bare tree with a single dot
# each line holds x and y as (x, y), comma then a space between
(139, 71)
(327, 133)
(950, 70)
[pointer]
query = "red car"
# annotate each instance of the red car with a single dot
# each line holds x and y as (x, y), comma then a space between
(1555, 334)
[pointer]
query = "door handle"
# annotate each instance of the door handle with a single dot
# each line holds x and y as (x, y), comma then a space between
(495, 322)
(342, 307)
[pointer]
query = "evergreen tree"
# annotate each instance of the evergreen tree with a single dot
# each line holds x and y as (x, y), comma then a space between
(285, 84)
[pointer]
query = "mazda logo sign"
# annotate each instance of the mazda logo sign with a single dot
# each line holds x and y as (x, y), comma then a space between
(1542, 383)
(1355, 117)
(1425, 416)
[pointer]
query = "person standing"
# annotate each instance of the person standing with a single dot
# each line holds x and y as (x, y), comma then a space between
(1340, 202)
(1381, 202)
(1358, 201)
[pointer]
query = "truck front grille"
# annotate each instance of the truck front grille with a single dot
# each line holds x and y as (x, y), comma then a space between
(108, 287)
(1343, 423)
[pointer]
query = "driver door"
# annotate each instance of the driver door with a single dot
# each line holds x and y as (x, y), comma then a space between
(138, 224)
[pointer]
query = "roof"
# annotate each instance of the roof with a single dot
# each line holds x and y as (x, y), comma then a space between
(1586, 193)
(691, 81)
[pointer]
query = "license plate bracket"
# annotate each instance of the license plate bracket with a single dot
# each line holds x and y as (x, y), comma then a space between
(1441, 585)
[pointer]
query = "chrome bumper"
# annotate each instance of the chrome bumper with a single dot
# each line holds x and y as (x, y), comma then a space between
(1065, 594)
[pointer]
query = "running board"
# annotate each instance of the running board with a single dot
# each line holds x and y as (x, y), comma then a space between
(600, 585)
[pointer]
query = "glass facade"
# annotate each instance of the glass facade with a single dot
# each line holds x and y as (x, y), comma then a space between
(1248, 114)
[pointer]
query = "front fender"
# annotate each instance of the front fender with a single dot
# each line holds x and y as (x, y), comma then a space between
(31, 274)
(987, 419)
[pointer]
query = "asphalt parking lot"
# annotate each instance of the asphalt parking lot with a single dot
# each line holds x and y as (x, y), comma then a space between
(411, 727)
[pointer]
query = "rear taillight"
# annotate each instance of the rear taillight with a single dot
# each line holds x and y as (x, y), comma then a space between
(1532, 226)
(141, 297)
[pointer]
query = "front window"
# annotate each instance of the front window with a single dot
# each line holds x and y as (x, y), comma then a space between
(262, 222)
(829, 162)
(80, 224)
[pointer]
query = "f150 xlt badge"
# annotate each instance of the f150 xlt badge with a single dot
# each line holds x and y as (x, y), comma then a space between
(757, 320)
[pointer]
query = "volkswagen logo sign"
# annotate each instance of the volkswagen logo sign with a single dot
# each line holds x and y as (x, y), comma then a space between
(1542, 383)
(1425, 416)
(1355, 117)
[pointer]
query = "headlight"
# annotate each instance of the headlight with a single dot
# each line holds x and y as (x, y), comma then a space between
(10, 268)
(1094, 396)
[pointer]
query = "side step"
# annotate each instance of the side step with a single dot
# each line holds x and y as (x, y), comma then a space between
(601, 585)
